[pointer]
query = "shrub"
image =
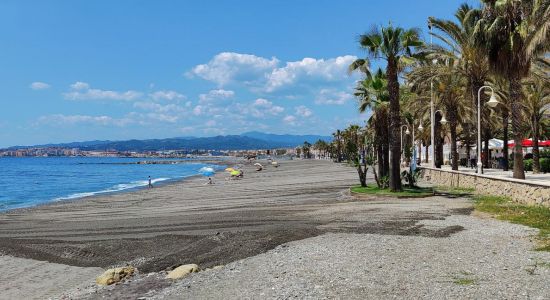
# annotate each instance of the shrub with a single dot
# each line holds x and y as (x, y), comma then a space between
(545, 165)
(544, 154)
(528, 163)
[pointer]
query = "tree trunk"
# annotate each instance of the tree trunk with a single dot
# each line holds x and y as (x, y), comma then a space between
(516, 97)
(395, 123)
(419, 151)
(438, 148)
(453, 122)
(536, 153)
(362, 175)
(505, 151)
(380, 161)
(427, 153)
(486, 138)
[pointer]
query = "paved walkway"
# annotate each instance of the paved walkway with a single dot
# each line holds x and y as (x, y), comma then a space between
(529, 176)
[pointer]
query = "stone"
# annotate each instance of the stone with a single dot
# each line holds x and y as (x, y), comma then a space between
(182, 271)
(114, 275)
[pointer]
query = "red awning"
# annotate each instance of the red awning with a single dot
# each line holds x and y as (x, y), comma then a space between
(529, 143)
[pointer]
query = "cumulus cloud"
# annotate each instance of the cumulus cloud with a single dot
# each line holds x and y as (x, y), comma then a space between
(332, 97)
(229, 66)
(214, 95)
(290, 120)
(303, 111)
(83, 91)
(333, 69)
(265, 75)
(261, 107)
(166, 95)
(60, 119)
(37, 85)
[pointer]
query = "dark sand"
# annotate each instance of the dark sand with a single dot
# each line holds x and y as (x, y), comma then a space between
(190, 222)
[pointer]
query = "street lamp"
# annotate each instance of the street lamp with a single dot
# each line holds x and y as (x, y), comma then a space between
(407, 132)
(432, 113)
(493, 102)
(443, 122)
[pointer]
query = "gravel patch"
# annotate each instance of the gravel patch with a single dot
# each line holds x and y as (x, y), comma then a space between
(489, 259)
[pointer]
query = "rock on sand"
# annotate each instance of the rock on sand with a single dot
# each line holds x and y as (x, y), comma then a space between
(182, 271)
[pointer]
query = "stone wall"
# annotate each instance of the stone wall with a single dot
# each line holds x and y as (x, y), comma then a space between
(519, 190)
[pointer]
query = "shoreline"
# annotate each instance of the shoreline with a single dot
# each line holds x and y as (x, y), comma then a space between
(159, 184)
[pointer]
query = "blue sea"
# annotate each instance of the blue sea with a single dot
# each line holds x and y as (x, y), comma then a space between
(30, 181)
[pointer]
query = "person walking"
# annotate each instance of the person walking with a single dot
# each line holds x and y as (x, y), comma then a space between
(150, 183)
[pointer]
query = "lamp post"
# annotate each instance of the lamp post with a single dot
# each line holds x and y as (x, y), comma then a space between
(407, 132)
(493, 102)
(443, 122)
(432, 113)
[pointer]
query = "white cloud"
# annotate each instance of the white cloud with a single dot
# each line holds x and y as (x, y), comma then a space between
(303, 111)
(229, 66)
(39, 85)
(198, 110)
(82, 91)
(211, 123)
(333, 69)
(261, 107)
(79, 85)
(291, 120)
(216, 95)
(261, 75)
(166, 95)
(332, 97)
(60, 119)
(159, 108)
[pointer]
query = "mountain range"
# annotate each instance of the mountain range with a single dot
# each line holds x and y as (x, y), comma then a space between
(245, 141)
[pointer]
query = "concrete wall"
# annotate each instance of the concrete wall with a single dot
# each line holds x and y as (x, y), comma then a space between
(519, 190)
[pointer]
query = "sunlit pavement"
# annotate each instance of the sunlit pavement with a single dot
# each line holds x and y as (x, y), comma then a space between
(529, 176)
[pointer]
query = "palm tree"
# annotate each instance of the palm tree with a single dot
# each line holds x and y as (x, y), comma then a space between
(372, 94)
(397, 46)
(515, 33)
(470, 60)
(537, 105)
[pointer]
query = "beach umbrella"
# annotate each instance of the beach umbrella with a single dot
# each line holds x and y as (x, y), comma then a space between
(545, 143)
(207, 171)
(230, 169)
(235, 173)
(258, 165)
(275, 164)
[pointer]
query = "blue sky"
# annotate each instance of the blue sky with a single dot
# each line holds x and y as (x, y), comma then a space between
(86, 70)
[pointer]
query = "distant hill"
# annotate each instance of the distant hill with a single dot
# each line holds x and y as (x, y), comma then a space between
(288, 140)
(246, 141)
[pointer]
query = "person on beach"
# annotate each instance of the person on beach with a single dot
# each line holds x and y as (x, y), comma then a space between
(209, 181)
(150, 183)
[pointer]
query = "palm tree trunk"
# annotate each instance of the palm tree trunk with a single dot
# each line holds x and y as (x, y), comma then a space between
(536, 154)
(395, 123)
(419, 158)
(453, 122)
(505, 151)
(486, 138)
(427, 153)
(438, 147)
(516, 97)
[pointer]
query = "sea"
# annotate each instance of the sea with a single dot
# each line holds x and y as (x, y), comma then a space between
(30, 181)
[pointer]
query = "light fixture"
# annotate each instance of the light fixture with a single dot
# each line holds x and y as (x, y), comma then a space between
(443, 120)
(407, 132)
(420, 127)
(493, 102)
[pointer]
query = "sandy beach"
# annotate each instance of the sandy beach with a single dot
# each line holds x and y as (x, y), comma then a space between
(279, 233)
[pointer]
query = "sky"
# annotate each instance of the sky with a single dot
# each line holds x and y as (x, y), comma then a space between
(134, 69)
